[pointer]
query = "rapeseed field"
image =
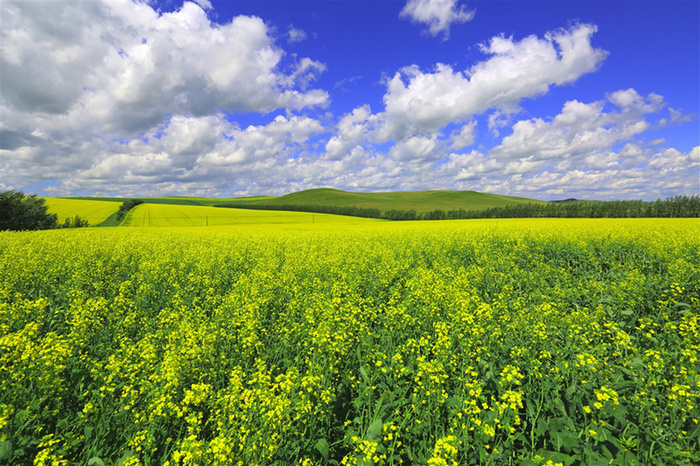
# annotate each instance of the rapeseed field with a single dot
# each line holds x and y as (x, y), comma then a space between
(168, 215)
(94, 211)
(526, 342)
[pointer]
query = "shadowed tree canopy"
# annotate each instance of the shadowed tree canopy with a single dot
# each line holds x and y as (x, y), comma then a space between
(21, 212)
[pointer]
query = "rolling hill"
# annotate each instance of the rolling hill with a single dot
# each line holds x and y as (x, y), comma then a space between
(182, 211)
(420, 201)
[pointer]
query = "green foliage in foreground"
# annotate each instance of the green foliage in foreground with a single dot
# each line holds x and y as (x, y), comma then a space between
(481, 342)
(19, 211)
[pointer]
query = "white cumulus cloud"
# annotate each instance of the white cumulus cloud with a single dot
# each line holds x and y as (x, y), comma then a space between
(464, 137)
(128, 66)
(296, 34)
(438, 15)
(417, 101)
(580, 128)
(354, 129)
(416, 148)
(80, 78)
(589, 150)
(207, 155)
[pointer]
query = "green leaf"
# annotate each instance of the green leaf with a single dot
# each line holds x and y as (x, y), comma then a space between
(636, 362)
(569, 441)
(528, 462)
(541, 428)
(695, 433)
(374, 432)
(5, 450)
(620, 417)
(530, 407)
(629, 458)
(608, 450)
(364, 375)
(95, 461)
(559, 404)
(454, 402)
(323, 448)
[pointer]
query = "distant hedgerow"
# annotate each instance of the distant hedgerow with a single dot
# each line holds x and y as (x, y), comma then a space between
(126, 207)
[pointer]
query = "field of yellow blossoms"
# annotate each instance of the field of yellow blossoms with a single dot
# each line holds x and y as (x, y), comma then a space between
(524, 342)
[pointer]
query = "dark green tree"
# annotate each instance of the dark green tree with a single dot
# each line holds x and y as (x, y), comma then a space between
(21, 212)
(75, 222)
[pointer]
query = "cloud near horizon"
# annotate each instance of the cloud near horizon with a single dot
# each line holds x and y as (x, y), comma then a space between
(572, 154)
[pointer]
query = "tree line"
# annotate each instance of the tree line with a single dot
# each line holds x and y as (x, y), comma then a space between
(676, 206)
(126, 207)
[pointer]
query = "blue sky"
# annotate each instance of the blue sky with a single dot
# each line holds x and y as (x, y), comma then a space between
(546, 99)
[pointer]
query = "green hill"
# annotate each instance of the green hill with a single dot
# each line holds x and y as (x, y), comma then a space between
(420, 201)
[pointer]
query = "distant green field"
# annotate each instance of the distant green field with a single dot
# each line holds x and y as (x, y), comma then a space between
(94, 211)
(205, 201)
(169, 215)
(179, 200)
(420, 201)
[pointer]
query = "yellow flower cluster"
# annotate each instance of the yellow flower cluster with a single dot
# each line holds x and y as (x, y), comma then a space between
(445, 452)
